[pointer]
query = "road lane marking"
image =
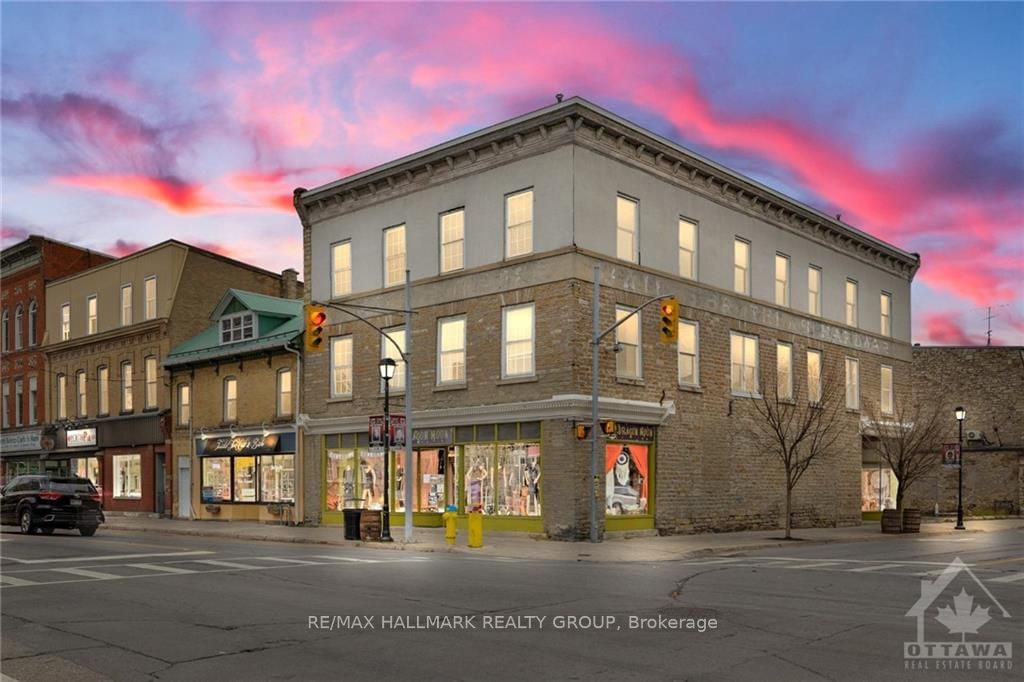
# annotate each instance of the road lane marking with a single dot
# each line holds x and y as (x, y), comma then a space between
(1008, 578)
(282, 560)
(820, 564)
(230, 564)
(855, 561)
(161, 567)
(707, 562)
(879, 567)
(86, 573)
(347, 558)
(16, 582)
(104, 558)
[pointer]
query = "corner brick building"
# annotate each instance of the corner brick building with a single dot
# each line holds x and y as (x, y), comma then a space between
(26, 269)
(501, 231)
(988, 382)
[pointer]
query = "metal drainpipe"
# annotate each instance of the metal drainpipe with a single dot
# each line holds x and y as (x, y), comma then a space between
(299, 478)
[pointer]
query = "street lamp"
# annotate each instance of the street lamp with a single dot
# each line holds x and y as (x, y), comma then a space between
(387, 373)
(960, 414)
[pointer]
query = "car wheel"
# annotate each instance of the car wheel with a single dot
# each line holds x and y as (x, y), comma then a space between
(46, 531)
(88, 531)
(26, 522)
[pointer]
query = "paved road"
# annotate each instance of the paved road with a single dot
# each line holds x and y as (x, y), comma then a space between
(144, 606)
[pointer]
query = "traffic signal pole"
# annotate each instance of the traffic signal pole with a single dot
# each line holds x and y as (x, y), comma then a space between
(595, 341)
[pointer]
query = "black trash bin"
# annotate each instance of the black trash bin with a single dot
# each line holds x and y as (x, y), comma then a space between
(351, 523)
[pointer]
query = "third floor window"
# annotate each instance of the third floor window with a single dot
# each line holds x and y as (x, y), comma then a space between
(151, 298)
(781, 279)
(341, 269)
(741, 267)
(65, 322)
(519, 224)
(851, 303)
(394, 255)
(92, 315)
(126, 305)
(453, 228)
(814, 290)
(687, 249)
(885, 323)
(627, 213)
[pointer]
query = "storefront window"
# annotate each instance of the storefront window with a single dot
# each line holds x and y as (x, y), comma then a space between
(277, 478)
(430, 466)
(216, 479)
(371, 478)
(479, 478)
(626, 479)
(401, 475)
(518, 478)
(245, 479)
(127, 476)
(341, 480)
(88, 467)
(878, 489)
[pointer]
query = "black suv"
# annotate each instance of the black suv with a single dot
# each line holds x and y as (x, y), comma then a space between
(48, 502)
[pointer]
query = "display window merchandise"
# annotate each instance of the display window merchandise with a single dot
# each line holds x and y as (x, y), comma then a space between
(127, 476)
(878, 489)
(90, 468)
(248, 479)
(626, 479)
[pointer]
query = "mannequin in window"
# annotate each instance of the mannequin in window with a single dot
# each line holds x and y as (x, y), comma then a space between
(623, 485)
(369, 483)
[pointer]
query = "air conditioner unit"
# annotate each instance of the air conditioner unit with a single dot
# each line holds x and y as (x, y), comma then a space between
(975, 435)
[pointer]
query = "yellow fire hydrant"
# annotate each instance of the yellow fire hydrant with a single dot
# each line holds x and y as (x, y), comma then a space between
(450, 530)
(476, 529)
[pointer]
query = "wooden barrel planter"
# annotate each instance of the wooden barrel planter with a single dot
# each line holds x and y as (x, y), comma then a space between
(911, 520)
(890, 521)
(369, 524)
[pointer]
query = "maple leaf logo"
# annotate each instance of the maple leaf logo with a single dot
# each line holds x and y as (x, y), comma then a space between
(964, 617)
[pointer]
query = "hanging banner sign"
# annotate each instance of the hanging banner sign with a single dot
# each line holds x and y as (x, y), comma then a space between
(951, 455)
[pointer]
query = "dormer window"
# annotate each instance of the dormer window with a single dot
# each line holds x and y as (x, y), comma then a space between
(235, 328)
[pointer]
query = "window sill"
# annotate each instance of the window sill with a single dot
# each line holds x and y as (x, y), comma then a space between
(340, 399)
(690, 388)
(853, 410)
(745, 394)
(630, 381)
(450, 387)
(516, 380)
(126, 413)
(150, 409)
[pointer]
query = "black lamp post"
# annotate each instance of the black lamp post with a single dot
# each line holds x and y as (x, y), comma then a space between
(961, 414)
(387, 373)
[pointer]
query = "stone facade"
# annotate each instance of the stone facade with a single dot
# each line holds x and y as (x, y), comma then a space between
(988, 382)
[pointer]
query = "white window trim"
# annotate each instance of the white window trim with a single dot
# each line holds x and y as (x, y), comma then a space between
(145, 295)
(756, 393)
(696, 354)
(129, 318)
(184, 387)
(438, 372)
(65, 321)
(789, 395)
(405, 254)
(248, 321)
(91, 318)
(19, 318)
(335, 291)
(441, 242)
(817, 299)
(856, 383)
(350, 366)
(636, 319)
(746, 269)
(815, 397)
(696, 247)
(229, 419)
(883, 319)
(81, 394)
(33, 320)
(846, 303)
(533, 222)
(127, 387)
(155, 381)
(892, 390)
(504, 341)
(62, 396)
(102, 391)
(787, 284)
(279, 393)
(634, 234)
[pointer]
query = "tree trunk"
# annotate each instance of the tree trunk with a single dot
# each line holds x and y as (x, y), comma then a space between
(899, 501)
(789, 506)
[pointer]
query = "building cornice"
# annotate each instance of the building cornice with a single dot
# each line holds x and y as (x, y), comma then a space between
(569, 407)
(149, 326)
(577, 121)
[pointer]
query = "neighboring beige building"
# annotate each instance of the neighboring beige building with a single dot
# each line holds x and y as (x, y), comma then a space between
(107, 331)
(236, 409)
(501, 230)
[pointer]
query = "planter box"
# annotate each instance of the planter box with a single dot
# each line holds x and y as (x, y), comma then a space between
(891, 521)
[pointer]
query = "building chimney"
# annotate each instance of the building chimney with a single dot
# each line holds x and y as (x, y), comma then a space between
(290, 283)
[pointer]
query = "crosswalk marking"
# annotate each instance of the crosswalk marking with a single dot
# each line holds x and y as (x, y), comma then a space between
(226, 564)
(1012, 578)
(15, 582)
(818, 564)
(283, 560)
(708, 562)
(879, 567)
(86, 573)
(111, 557)
(161, 567)
(348, 558)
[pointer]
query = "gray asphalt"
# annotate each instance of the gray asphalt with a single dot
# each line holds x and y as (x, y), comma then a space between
(146, 606)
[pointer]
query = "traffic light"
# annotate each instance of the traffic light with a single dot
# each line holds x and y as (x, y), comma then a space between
(668, 321)
(316, 318)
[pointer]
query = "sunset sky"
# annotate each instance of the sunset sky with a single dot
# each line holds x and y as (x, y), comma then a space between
(126, 124)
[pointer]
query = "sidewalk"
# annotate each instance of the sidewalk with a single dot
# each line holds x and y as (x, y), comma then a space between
(521, 546)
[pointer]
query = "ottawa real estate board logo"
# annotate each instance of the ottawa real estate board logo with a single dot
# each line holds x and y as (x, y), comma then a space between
(961, 604)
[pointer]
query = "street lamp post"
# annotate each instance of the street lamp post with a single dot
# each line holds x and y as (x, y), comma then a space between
(960, 414)
(387, 373)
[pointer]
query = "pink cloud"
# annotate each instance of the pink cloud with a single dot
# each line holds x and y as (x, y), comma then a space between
(122, 248)
(171, 193)
(942, 329)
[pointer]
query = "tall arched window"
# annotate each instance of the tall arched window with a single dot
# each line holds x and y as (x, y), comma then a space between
(6, 330)
(33, 319)
(17, 327)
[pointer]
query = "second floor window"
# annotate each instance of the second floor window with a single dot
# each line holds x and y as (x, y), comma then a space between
(852, 384)
(517, 337)
(341, 366)
(627, 219)
(885, 324)
(19, 395)
(851, 303)
(781, 279)
(61, 397)
(814, 376)
(519, 224)
(65, 322)
(814, 290)
(17, 328)
(126, 305)
(92, 315)
(627, 337)
(689, 369)
(151, 382)
(7, 405)
(235, 328)
(741, 267)
(33, 396)
(451, 350)
(184, 404)
(126, 387)
(341, 269)
(394, 255)
(33, 321)
(453, 229)
(784, 371)
(230, 399)
(887, 393)
(743, 362)
(388, 350)
(82, 403)
(687, 249)
(150, 298)
(284, 393)
(6, 331)
(103, 391)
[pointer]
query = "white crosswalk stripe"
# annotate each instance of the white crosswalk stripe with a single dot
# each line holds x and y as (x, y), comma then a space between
(15, 582)
(1012, 578)
(879, 567)
(86, 573)
(162, 567)
(226, 564)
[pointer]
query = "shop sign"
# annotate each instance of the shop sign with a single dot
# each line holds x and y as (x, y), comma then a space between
(441, 436)
(240, 445)
(17, 441)
(640, 433)
(79, 438)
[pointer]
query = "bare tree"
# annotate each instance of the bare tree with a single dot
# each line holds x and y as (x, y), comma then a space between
(907, 439)
(799, 425)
